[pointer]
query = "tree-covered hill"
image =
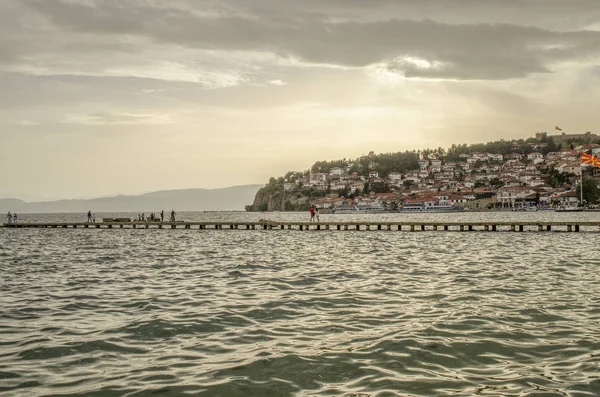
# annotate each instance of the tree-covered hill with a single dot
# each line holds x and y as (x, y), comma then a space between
(274, 196)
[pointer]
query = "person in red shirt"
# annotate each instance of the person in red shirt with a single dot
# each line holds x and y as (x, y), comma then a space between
(312, 214)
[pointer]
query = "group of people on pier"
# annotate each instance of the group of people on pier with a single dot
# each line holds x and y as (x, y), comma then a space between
(155, 218)
(12, 218)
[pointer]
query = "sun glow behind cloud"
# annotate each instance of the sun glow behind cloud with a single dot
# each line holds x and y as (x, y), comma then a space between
(280, 82)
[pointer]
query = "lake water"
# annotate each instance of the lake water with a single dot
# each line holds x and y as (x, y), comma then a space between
(289, 313)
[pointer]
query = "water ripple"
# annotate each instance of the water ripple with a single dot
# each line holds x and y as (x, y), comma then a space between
(133, 313)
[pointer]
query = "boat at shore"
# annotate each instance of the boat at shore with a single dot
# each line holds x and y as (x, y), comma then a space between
(568, 209)
(429, 207)
(361, 208)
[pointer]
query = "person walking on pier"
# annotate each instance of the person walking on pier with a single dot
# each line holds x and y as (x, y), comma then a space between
(9, 217)
(312, 214)
(173, 215)
(15, 217)
(162, 215)
(89, 216)
(317, 215)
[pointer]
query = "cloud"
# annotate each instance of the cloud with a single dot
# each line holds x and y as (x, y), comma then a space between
(28, 123)
(278, 82)
(460, 51)
(115, 118)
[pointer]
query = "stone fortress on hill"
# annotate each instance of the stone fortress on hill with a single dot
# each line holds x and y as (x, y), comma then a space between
(564, 137)
(541, 171)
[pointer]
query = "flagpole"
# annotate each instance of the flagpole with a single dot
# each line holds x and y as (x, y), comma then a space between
(581, 172)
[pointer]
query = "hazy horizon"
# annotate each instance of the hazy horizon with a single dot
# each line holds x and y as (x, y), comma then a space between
(100, 98)
(131, 194)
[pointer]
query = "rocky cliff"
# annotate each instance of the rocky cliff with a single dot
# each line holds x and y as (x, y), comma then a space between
(273, 198)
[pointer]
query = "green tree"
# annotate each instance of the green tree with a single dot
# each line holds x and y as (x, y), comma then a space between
(550, 147)
(591, 192)
(288, 206)
(496, 182)
(366, 189)
(379, 187)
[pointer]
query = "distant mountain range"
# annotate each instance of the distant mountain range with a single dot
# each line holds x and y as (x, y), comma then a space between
(231, 198)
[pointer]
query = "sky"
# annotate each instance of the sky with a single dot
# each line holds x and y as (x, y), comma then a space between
(104, 97)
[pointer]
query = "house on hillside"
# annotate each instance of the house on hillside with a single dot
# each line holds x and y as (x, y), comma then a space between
(572, 168)
(338, 185)
(336, 171)
(395, 176)
(569, 155)
(514, 156)
(356, 186)
(318, 177)
(536, 157)
(449, 167)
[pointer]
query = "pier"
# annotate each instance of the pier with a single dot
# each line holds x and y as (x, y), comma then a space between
(409, 226)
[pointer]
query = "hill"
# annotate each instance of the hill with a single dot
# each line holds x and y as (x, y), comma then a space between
(231, 198)
(460, 167)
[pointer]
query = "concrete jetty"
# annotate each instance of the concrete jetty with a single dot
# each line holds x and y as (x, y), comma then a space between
(411, 226)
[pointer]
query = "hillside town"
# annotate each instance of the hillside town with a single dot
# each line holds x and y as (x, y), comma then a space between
(529, 177)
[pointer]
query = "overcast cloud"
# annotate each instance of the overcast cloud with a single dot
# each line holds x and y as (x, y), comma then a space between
(214, 93)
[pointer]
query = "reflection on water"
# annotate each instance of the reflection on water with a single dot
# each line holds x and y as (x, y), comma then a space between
(180, 312)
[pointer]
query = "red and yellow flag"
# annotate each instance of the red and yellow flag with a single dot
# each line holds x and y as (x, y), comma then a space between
(589, 159)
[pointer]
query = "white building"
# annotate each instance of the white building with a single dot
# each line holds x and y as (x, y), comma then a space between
(449, 166)
(336, 171)
(373, 174)
(395, 176)
(338, 186)
(571, 168)
(356, 186)
(508, 196)
(318, 177)
(514, 156)
(536, 157)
